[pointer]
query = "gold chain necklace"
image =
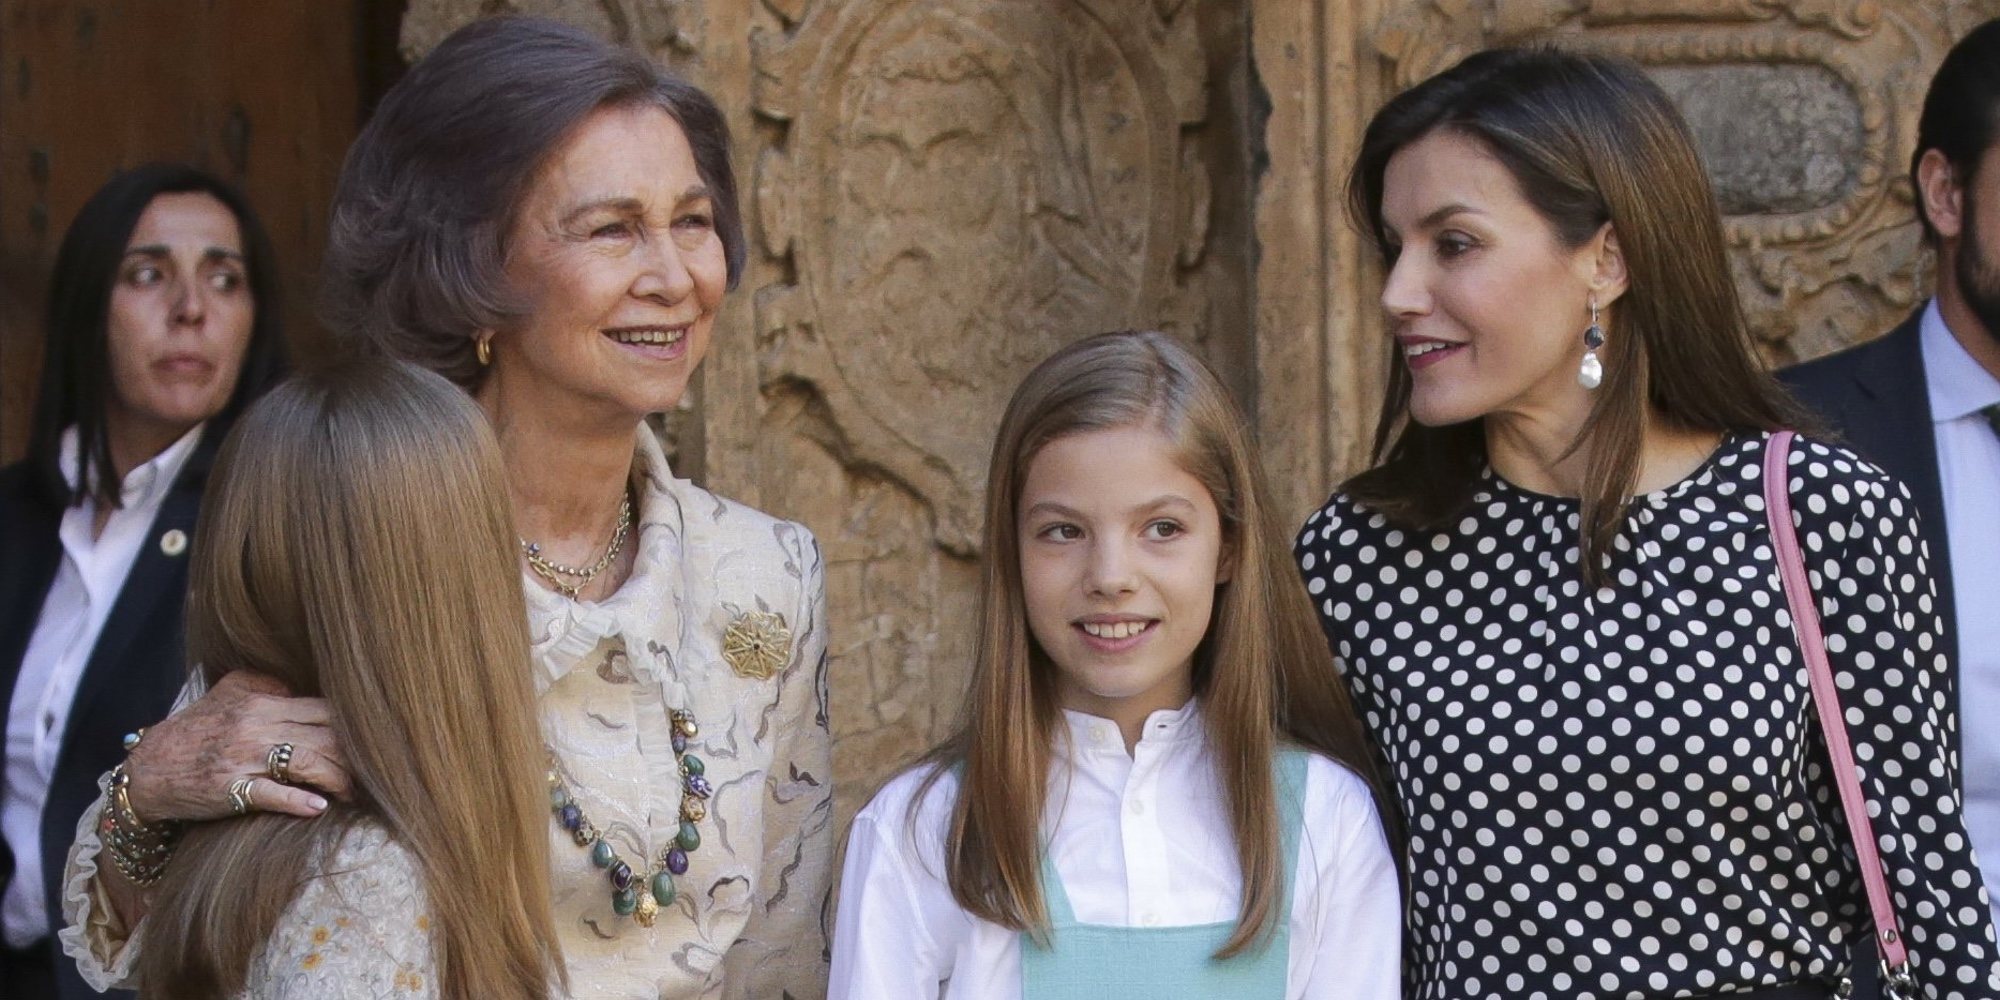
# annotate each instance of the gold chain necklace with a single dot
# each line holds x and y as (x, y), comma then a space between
(569, 580)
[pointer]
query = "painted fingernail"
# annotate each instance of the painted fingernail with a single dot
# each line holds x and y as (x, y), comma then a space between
(318, 803)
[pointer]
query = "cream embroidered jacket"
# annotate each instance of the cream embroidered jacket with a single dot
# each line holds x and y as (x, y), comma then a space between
(750, 920)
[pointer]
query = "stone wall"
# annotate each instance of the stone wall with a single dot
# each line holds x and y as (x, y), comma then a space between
(942, 191)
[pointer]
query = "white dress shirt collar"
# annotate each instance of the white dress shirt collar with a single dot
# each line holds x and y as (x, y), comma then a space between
(144, 486)
(1958, 384)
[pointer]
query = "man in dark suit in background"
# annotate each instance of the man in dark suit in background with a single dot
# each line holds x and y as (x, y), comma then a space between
(1924, 403)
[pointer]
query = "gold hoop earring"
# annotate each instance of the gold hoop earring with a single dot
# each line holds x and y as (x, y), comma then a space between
(483, 348)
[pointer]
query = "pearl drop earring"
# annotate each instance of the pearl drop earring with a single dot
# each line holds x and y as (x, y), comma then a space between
(1591, 374)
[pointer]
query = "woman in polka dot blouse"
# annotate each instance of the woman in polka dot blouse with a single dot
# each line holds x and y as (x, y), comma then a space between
(1554, 596)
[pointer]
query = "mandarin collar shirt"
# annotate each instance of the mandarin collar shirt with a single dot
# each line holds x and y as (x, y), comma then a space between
(1139, 839)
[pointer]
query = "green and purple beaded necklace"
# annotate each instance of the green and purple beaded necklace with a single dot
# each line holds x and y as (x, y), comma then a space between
(634, 893)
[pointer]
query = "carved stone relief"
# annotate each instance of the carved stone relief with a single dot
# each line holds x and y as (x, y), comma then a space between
(668, 29)
(961, 188)
(950, 189)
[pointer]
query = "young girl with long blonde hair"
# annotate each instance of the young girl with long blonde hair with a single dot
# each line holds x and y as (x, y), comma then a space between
(357, 546)
(1158, 789)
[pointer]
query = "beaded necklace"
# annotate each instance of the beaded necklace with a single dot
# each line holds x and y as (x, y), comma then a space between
(641, 894)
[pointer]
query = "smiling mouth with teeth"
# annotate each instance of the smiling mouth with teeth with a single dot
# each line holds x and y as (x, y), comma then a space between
(1419, 350)
(1114, 630)
(655, 335)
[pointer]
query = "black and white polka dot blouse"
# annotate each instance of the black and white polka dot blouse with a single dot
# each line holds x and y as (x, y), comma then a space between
(1621, 792)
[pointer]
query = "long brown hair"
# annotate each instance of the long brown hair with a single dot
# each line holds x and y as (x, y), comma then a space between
(356, 544)
(1263, 673)
(1590, 140)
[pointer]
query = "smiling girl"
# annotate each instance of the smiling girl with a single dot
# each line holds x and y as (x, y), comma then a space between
(1157, 788)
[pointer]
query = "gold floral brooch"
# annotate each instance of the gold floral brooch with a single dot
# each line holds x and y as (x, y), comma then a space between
(757, 644)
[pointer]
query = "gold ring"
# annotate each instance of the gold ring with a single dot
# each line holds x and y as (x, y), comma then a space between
(278, 763)
(239, 795)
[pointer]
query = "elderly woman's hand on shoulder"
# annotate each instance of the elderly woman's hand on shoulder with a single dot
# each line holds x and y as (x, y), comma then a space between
(182, 770)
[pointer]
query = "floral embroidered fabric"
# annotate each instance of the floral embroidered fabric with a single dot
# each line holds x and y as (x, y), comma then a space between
(358, 929)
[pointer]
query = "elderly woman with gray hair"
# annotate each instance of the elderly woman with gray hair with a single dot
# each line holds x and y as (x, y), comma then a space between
(551, 222)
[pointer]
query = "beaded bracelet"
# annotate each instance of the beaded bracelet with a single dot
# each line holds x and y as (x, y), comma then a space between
(139, 850)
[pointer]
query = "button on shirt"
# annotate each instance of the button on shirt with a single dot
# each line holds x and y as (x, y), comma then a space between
(1968, 452)
(79, 601)
(1138, 841)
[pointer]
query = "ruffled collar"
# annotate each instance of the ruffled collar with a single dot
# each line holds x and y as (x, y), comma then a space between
(645, 611)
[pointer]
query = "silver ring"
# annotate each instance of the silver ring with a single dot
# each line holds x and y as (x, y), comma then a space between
(239, 795)
(278, 763)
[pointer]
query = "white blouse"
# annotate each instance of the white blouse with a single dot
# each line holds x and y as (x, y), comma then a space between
(1138, 841)
(748, 921)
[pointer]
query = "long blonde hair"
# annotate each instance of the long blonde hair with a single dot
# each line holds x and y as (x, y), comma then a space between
(356, 544)
(1263, 673)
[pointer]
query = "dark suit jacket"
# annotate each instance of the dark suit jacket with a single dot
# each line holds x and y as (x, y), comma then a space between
(133, 673)
(1875, 397)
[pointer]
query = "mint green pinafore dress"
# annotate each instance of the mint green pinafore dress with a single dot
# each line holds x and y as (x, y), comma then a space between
(1096, 962)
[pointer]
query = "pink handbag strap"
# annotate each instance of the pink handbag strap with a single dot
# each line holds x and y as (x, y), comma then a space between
(1826, 700)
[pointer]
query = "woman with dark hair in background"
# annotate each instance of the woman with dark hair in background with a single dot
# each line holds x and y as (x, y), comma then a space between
(162, 326)
(551, 222)
(1556, 596)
